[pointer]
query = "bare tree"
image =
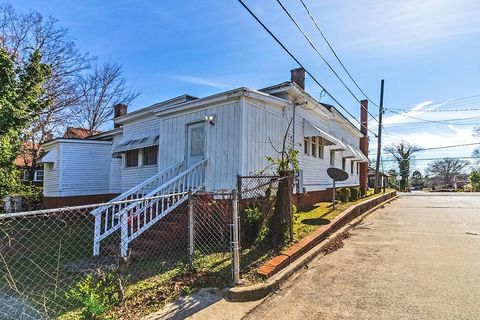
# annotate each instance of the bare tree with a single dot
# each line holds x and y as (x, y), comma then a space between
(99, 90)
(402, 152)
(20, 34)
(445, 170)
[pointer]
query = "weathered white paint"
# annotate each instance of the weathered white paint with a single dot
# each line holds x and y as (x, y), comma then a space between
(222, 142)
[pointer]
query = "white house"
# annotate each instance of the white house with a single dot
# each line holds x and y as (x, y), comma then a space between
(231, 133)
(190, 143)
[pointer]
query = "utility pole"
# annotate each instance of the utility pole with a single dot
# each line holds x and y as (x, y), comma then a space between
(379, 140)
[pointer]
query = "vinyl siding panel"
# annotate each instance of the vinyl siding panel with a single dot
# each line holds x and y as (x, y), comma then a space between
(51, 182)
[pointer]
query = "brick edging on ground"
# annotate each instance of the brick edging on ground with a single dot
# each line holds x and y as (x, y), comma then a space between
(296, 257)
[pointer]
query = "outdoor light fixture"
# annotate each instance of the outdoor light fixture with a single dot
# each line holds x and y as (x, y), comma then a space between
(211, 119)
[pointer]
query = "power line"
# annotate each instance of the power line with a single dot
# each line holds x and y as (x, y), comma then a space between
(298, 62)
(435, 121)
(321, 56)
(434, 110)
(431, 159)
(335, 53)
(445, 147)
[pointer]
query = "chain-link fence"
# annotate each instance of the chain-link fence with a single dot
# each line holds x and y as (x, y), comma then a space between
(54, 265)
(265, 216)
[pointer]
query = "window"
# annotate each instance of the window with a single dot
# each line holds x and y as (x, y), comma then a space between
(344, 163)
(306, 145)
(313, 146)
(332, 158)
(320, 147)
(26, 175)
(197, 141)
(38, 175)
(150, 156)
(351, 166)
(358, 167)
(131, 158)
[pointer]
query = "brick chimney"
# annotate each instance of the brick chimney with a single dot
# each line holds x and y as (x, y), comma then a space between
(364, 143)
(118, 111)
(298, 76)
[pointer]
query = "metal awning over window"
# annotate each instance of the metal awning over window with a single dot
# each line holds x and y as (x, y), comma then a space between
(49, 157)
(310, 130)
(359, 156)
(350, 152)
(134, 144)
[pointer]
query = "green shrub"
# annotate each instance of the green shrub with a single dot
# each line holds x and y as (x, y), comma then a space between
(251, 223)
(96, 294)
(363, 192)
(343, 194)
(354, 193)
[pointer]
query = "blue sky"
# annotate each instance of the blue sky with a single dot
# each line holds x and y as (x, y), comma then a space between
(426, 51)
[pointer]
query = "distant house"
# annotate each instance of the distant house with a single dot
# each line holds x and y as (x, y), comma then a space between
(371, 178)
(78, 133)
(24, 162)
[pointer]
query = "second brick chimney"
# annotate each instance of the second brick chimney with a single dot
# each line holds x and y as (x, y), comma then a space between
(298, 76)
(364, 143)
(118, 111)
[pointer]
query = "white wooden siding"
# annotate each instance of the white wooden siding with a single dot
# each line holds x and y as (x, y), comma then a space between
(138, 128)
(51, 182)
(115, 169)
(222, 142)
(315, 169)
(264, 125)
(85, 168)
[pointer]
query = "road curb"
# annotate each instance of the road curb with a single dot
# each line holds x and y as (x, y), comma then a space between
(261, 290)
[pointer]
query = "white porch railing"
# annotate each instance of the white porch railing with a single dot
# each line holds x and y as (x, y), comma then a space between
(107, 217)
(139, 216)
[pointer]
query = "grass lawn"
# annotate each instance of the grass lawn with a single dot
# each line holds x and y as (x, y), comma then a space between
(306, 221)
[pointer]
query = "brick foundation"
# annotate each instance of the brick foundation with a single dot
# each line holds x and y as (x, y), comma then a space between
(56, 202)
(307, 200)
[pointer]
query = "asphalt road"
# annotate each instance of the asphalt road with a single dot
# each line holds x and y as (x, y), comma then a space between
(417, 258)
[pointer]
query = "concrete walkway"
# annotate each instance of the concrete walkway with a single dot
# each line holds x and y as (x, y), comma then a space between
(418, 258)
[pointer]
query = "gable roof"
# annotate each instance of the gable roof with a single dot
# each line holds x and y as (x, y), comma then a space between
(78, 133)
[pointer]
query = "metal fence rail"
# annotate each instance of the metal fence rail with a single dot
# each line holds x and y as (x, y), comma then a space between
(48, 269)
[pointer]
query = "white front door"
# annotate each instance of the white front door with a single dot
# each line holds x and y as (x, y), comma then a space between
(195, 143)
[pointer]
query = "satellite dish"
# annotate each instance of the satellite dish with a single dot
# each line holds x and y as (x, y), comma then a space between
(337, 174)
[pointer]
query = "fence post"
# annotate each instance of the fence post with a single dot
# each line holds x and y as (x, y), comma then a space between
(124, 233)
(235, 238)
(191, 240)
(96, 237)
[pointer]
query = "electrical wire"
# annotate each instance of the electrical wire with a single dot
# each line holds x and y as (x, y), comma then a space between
(335, 53)
(444, 147)
(435, 121)
(298, 62)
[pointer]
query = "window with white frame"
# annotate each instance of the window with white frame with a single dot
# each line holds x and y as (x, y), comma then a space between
(313, 146)
(320, 147)
(351, 166)
(38, 175)
(150, 156)
(26, 175)
(358, 167)
(131, 159)
(332, 158)
(344, 163)
(306, 146)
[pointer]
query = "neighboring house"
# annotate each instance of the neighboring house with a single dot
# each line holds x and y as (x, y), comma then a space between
(371, 178)
(24, 162)
(207, 142)
(78, 133)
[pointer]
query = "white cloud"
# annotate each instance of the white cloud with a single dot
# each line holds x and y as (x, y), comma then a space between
(408, 25)
(201, 81)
